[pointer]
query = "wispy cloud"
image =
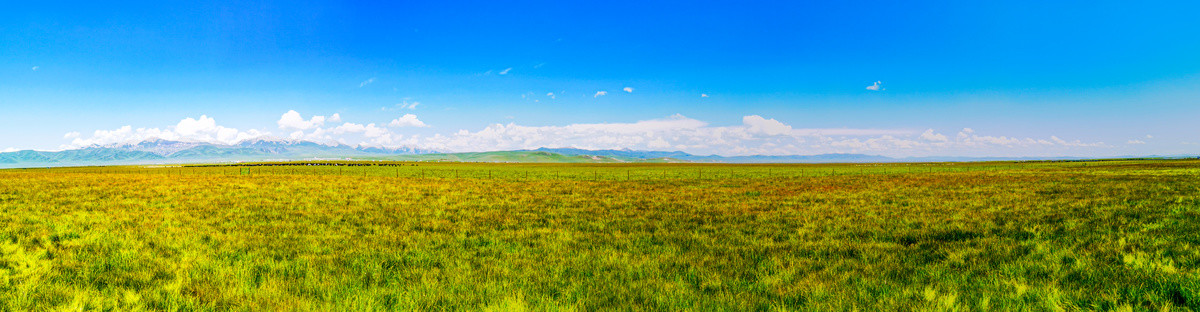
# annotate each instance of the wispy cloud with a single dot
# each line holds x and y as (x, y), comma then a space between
(703, 95)
(367, 82)
(600, 94)
(550, 94)
(505, 71)
(628, 89)
(876, 87)
(403, 105)
(71, 135)
(9, 150)
(35, 68)
(1139, 141)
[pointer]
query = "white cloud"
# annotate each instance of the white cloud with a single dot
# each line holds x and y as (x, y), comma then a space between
(703, 95)
(321, 135)
(505, 71)
(849, 132)
(35, 68)
(189, 126)
(349, 128)
(204, 130)
(71, 135)
(408, 120)
(369, 130)
(550, 94)
(10, 150)
(600, 93)
(1078, 143)
(968, 138)
(1135, 142)
(876, 86)
(929, 135)
(758, 124)
(292, 120)
(755, 135)
(374, 132)
(628, 89)
(603, 135)
(1149, 136)
(367, 82)
(658, 143)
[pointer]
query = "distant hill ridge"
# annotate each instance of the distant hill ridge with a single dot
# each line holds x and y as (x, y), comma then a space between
(715, 158)
(157, 151)
(166, 151)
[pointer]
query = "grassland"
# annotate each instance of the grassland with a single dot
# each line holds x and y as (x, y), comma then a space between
(1045, 236)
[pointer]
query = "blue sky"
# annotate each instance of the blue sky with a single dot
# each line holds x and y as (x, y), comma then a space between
(1016, 78)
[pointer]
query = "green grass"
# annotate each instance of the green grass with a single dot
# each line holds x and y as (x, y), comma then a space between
(1041, 236)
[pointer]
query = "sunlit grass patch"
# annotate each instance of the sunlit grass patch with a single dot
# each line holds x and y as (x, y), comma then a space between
(939, 237)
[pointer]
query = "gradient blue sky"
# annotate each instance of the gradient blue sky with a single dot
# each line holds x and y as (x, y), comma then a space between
(959, 78)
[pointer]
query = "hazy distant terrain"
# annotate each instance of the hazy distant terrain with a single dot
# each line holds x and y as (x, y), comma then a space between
(172, 152)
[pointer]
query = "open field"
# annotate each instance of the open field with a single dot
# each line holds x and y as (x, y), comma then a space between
(1041, 236)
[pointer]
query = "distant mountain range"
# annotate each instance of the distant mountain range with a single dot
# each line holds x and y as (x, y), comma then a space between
(163, 151)
(631, 154)
(166, 152)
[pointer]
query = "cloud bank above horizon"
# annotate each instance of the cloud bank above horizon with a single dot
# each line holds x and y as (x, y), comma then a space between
(756, 135)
